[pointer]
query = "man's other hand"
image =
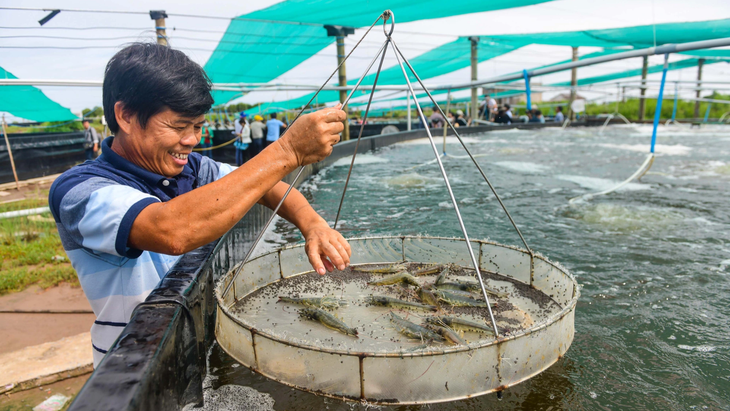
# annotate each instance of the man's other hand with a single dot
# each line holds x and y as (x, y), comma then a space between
(326, 248)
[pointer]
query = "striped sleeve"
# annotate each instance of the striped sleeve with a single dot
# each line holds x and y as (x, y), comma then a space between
(212, 171)
(98, 214)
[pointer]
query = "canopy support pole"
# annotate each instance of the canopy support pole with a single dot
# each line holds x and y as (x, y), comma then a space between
(573, 84)
(340, 32)
(10, 154)
(700, 63)
(642, 100)
(474, 60)
(159, 17)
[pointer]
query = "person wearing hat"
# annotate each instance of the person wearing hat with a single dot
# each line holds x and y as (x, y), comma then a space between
(258, 131)
(460, 122)
(206, 140)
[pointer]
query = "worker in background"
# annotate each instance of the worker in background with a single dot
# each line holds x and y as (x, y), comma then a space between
(206, 140)
(273, 129)
(508, 111)
(243, 139)
(436, 119)
(127, 217)
(258, 131)
(91, 140)
(559, 116)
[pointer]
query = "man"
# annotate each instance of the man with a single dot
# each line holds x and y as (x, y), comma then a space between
(91, 140)
(508, 111)
(488, 108)
(273, 129)
(436, 119)
(125, 218)
(559, 116)
(257, 135)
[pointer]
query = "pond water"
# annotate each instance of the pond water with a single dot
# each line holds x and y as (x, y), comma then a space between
(653, 322)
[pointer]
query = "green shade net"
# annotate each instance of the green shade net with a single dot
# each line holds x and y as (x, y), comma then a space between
(445, 59)
(439, 92)
(637, 36)
(30, 103)
(260, 51)
(677, 65)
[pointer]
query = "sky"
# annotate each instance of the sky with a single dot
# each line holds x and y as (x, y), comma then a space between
(111, 31)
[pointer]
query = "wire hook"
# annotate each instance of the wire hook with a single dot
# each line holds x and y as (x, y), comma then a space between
(387, 14)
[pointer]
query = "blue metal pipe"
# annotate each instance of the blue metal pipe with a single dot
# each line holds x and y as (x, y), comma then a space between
(527, 89)
(674, 109)
(707, 113)
(658, 111)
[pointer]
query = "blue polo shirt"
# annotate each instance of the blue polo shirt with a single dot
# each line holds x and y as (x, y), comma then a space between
(94, 205)
(273, 129)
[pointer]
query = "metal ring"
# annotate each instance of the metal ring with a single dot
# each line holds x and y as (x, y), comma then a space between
(387, 14)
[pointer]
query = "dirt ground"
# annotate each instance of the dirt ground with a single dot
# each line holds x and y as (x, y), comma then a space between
(28, 189)
(26, 400)
(19, 330)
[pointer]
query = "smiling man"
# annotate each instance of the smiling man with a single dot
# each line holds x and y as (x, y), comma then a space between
(126, 217)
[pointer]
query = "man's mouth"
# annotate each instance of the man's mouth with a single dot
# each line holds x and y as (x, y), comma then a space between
(179, 156)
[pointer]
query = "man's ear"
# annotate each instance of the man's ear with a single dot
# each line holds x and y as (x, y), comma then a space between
(124, 118)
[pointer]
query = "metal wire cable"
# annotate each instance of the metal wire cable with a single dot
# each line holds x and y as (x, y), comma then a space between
(448, 187)
(301, 169)
(456, 133)
(362, 127)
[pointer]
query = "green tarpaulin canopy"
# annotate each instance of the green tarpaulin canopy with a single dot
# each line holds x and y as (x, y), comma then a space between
(260, 51)
(636, 37)
(30, 103)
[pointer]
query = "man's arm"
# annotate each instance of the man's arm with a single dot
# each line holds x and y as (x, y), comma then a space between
(206, 213)
(95, 138)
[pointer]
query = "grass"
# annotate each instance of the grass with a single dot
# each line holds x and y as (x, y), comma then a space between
(29, 250)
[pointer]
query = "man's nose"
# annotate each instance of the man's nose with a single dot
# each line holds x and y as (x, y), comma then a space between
(190, 139)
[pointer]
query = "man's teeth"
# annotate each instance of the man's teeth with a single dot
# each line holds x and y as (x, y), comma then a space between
(179, 155)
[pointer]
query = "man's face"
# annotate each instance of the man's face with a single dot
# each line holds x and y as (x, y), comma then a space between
(164, 145)
(86, 125)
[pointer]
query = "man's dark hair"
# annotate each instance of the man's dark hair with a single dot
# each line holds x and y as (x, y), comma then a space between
(507, 106)
(560, 108)
(273, 115)
(148, 77)
(86, 120)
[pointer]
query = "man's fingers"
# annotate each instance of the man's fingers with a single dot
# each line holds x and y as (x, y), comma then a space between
(345, 245)
(334, 255)
(327, 264)
(316, 261)
(333, 115)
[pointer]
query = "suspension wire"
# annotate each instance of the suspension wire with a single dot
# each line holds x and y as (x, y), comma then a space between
(301, 168)
(362, 127)
(448, 187)
(456, 133)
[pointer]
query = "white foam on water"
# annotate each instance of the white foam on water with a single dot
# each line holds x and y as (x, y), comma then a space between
(360, 160)
(600, 184)
(698, 348)
(523, 166)
(673, 150)
(624, 218)
(438, 140)
(446, 204)
(408, 180)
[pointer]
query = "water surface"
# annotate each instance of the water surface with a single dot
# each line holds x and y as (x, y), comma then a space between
(653, 322)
